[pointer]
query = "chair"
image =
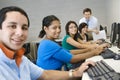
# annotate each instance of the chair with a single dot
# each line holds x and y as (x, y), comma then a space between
(33, 52)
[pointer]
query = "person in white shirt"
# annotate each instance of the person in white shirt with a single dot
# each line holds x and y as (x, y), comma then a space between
(91, 21)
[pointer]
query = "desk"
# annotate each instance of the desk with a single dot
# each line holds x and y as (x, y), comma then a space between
(115, 64)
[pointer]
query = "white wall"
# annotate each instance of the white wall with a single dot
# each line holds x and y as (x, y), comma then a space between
(65, 10)
(113, 12)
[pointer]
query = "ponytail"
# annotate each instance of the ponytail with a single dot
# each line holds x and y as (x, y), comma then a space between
(42, 33)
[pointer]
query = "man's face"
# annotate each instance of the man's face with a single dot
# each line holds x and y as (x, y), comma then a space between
(14, 30)
(87, 15)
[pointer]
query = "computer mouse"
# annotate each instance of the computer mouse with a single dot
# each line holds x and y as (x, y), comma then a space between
(117, 57)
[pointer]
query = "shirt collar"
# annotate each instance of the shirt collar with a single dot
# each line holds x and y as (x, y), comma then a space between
(12, 54)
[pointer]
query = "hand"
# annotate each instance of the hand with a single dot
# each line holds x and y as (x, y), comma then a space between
(94, 46)
(98, 41)
(96, 31)
(98, 50)
(82, 68)
(101, 48)
(105, 45)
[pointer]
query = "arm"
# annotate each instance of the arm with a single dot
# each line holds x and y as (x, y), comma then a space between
(93, 30)
(79, 57)
(94, 52)
(79, 45)
(94, 25)
(64, 75)
(88, 42)
(83, 42)
(79, 51)
(55, 75)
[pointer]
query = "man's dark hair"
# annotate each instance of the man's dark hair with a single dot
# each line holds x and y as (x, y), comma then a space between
(4, 10)
(87, 10)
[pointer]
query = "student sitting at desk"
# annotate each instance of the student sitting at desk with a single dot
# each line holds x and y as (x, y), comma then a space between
(83, 37)
(70, 42)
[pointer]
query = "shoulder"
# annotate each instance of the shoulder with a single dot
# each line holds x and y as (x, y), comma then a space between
(82, 20)
(43, 42)
(67, 36)
(94, 18)
(48, 43)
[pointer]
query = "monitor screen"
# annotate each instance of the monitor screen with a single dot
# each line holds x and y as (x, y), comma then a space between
(113, 33)
(27, 48)
(118, 43)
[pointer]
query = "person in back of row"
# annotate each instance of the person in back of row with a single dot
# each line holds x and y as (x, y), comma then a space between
(83, 36)
(14, 26)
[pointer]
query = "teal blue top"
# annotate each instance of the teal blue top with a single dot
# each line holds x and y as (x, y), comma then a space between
(67, 45)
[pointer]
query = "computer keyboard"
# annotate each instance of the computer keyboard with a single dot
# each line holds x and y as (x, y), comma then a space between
(108, 54)
(102, 71)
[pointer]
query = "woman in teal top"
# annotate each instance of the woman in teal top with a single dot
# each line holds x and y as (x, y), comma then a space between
(67, 45)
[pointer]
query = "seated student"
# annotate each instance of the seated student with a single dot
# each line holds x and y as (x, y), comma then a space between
(83, 27)
(51, 56)
(83, 37)
(14, 26)
(70, 41)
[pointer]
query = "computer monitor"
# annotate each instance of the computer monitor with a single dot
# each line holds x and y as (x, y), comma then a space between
(27, 48)
(101, 27)
(118, 43)
(114, 32)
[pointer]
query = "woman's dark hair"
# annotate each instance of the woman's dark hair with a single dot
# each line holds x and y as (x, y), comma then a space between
(46, 23)
(81, 26)
(67, 28)
(5, 10)
(87, 10)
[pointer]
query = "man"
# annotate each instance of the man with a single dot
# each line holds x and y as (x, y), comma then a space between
(14, 25)
(91, 21)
